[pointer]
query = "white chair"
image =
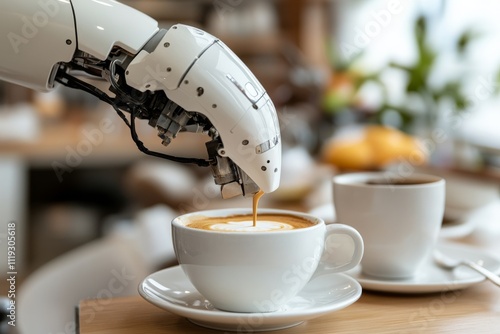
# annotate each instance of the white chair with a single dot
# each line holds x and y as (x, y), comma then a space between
(103, 269)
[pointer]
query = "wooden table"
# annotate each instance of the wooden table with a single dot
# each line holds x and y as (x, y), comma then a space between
(475, 310)
(472, 310)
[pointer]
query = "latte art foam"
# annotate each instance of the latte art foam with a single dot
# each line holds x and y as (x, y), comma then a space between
(248, 226)
(244, 223)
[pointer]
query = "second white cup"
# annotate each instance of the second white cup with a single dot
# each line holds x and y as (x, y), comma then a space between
(398, 218)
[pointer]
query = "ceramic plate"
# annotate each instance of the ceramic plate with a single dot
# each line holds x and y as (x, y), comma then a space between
(171, 290)
(432, 278)
(461, 227)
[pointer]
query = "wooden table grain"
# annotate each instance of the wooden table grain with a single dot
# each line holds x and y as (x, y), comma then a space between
(472, 310)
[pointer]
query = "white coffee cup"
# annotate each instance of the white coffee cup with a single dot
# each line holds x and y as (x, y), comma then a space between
(399, 223)
(249, 271)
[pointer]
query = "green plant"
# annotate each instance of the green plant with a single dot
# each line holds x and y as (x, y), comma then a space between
(418, 84)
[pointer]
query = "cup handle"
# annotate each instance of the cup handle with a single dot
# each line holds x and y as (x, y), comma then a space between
(343, 249)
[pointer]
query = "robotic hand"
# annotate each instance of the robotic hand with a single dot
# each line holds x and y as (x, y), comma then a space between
(180, 79)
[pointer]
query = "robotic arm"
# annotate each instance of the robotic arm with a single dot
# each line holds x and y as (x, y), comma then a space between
(180, 79)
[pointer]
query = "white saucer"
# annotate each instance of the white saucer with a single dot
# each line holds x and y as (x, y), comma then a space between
(456, 228)
(171, 290)
(468, 221)
(432, 278)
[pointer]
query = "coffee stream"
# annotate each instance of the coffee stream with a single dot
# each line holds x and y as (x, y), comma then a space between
(243, 223)
(256, 198)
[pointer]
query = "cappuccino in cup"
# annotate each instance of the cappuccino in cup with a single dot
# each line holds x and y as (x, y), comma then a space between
(240, 267)
(244, 223)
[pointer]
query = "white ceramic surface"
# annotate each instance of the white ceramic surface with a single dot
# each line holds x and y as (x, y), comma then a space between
(433, 279)
(171, 290)
(400, 224)
(261, 271)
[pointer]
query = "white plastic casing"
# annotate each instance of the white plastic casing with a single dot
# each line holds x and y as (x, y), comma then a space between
(37, 35)
(34, 37)
(102, 24)
(199, 73)
(167, 65)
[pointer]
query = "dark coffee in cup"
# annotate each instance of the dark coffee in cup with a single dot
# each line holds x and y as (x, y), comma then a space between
(396, 182)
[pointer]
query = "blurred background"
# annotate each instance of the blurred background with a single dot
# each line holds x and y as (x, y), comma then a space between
(358, 85)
